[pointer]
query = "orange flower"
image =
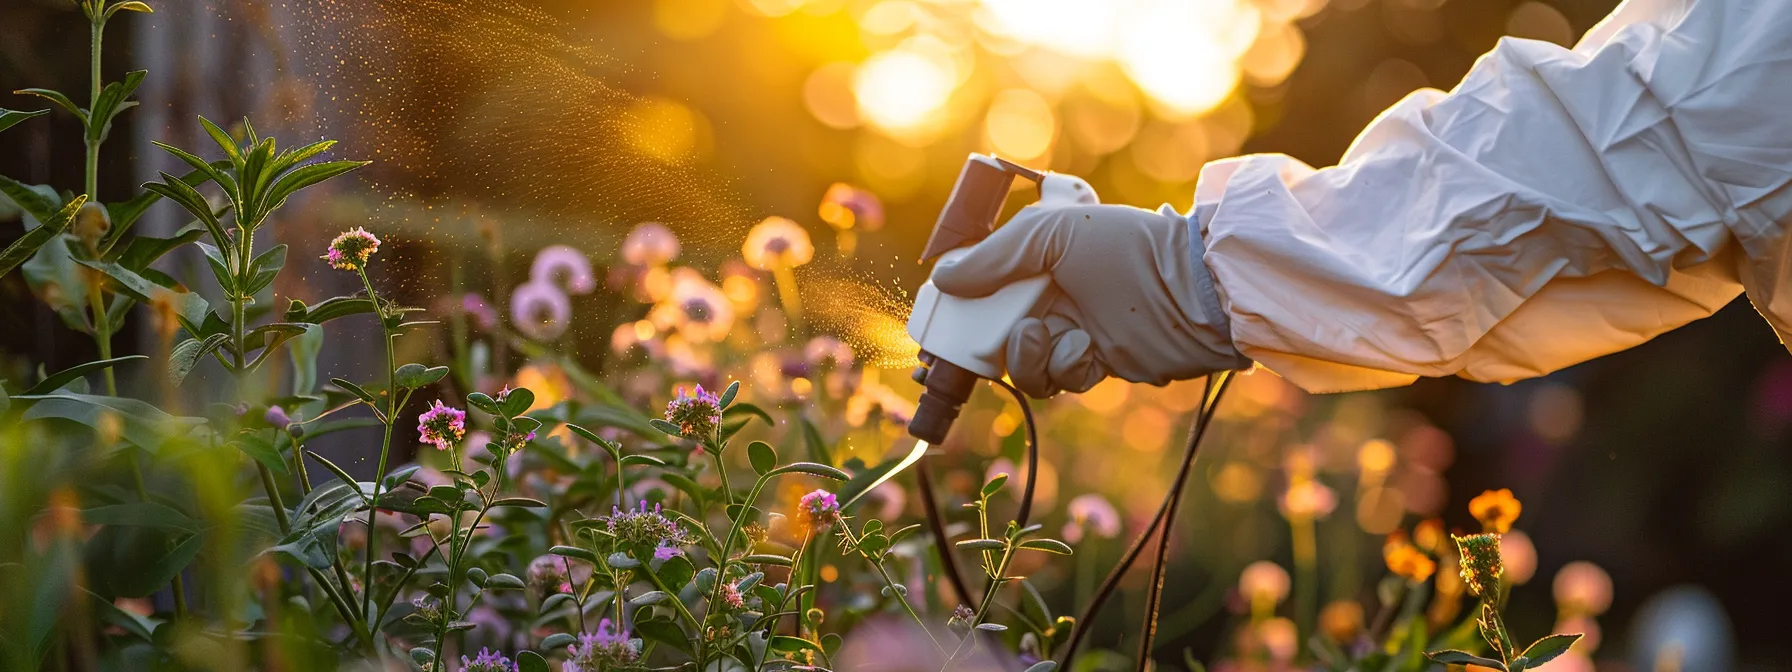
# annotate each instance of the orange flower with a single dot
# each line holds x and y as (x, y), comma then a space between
(1429, 536)
(1406, 560)
(1496, 509)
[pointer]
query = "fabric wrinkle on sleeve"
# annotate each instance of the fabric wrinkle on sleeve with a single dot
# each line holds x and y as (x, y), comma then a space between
(1556, 206)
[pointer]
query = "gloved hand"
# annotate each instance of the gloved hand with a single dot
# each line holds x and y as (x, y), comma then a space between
(1130, 297)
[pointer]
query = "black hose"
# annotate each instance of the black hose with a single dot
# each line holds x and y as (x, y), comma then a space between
(1155, 589)
(936, 524)
(936, 521)
(1210, 398)
(1026, 411)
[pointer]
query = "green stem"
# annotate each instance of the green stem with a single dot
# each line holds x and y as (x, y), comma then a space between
(989, 597)
(373, 507)
(93, 101)
(901, 596)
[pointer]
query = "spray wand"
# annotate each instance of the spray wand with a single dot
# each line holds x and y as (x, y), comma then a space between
(963, 341)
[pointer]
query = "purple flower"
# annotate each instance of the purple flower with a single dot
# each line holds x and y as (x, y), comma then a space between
(1091, 511)
(650, 244)
(276, 416)
(648, 527)
(663, 552)
(488, 661)
(819, 509)
(697, 415)
(601, 650)
(475, 307)
(442, 426)
(562, 265)
(351, 250)
(540, 310)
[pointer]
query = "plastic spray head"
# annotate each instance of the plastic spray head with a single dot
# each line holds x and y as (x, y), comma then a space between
(976, 200)
(948, 386)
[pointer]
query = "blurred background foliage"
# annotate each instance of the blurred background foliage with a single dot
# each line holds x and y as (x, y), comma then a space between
(501, 127)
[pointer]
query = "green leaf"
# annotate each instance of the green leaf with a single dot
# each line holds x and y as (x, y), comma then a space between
(818, 448)
(530, 661)
(10, 117)
(666, 633)
(136, 625)
(365, 396)
(48, 229)
(328, 309)
(666, 427)
(787, 644)
(728, 395)
(231, 150)
(264, 268)
(1548, 648)
(189, 198)
(648, 460)
(303, 352)
(575, 553)
(1043, 666)
(994, 485)
(503, 582)
(141, 514)
(306, 176)
(675, 572)
(516, 402)
(558, 639)
(262, 451)
(340, 475)
(59, 99)
(766, 559)
(141, 424)
(113, 99)
(317, 523)
(520, 502)
(41, 202)
(128, 6)
(126, 213)
(186, 355)
(1047, 545)
(413, 376)
(145, 250)
(981, 545)
(1454, 657)
(810, 468)
(55, 381)
(762, 456)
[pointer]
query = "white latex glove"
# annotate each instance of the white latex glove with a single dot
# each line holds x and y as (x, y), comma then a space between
(1130, 297)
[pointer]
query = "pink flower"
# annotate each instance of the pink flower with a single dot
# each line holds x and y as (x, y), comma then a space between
(1091, 512)
(845, 205)
(351, 250)
(650, 244)
(475, 307)
(731, 596)
(819, 509)
(442, 426)
(540, 310)
(563, 266)
(605, 649)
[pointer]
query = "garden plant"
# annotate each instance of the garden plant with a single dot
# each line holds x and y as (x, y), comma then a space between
(518, 512)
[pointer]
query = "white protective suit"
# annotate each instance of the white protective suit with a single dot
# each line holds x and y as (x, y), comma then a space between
(1557, 205)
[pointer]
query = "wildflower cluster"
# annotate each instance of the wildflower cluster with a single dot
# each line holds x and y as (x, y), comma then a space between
(351, 250)
(442, 426)
(646, 527)
(603, 650)
(697, 415)
(487, 661)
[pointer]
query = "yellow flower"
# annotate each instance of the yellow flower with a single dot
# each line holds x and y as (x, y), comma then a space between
(1406, 560)
(775, 243)
(1481, 563)
(1496, 509)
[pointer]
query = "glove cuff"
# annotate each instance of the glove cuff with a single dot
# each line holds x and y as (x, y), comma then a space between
(1206, 287)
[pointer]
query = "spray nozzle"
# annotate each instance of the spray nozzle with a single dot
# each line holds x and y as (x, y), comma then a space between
(976, 200)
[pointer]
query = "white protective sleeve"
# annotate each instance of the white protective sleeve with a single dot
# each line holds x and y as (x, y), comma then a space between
(1558, 205)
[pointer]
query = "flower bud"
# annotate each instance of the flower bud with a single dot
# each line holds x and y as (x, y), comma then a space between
(91, 225)
(1481, 564)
